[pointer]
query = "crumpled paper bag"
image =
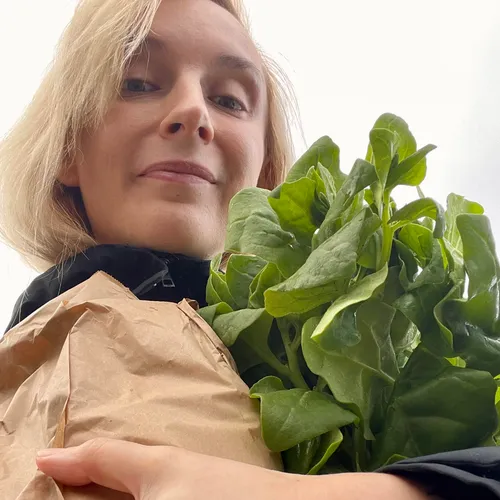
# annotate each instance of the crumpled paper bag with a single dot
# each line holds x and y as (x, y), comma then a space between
(98, 362)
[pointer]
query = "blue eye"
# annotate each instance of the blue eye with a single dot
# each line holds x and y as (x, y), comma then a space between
(228, 102)
(135, 85)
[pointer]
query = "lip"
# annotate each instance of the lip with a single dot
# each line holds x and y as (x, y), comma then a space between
(179, 170)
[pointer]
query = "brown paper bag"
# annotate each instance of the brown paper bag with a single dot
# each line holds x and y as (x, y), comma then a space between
(98, 362)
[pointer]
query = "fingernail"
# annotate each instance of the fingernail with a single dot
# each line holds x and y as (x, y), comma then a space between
(50, 452)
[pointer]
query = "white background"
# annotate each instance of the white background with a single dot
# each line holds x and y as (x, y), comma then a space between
(434, 62)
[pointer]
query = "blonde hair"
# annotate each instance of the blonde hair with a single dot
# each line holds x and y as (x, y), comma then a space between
(45, 221)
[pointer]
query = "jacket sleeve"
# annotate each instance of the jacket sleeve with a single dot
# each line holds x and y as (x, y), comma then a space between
(458, 475)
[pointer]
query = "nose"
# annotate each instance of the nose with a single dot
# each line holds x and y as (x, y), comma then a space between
(187, 114)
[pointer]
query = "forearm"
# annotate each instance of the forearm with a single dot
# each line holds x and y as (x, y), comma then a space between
(362, 486)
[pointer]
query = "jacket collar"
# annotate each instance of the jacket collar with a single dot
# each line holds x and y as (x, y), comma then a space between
(149, 274)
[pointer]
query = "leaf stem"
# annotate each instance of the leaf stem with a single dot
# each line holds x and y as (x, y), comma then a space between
(291, 348)
(359, 449)
(387, 232)
(272, 361)
(321, 384)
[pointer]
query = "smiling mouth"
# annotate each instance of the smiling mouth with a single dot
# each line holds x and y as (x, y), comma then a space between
(179, 171)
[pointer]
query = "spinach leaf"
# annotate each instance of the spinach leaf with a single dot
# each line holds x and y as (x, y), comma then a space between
(294, 208)
(209, 313)
(434, 407)
(218, 291)
(474, 321)
(483, 270)
(254, 229)
(406, 144)
(328, 445)
(405, 338)
(411, 171)
(418, 306)
(241, 271)
(384, 145)
(357, 375)
(330, 186)
(419, 240)
(456, 205)
(323, 151)
(231, 325)
(477, 347)
(268, 277)
(434, 273)
(362, 175)
(359, 292)
(299, 458)
(326, 273)
(424, 207)
(372, 251)
(290, 416)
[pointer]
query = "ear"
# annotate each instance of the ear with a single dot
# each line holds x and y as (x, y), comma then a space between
(69, 176)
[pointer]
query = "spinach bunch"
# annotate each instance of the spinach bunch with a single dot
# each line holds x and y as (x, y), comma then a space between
(368, 333)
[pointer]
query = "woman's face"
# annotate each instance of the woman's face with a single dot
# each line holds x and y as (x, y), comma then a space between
(186, 134)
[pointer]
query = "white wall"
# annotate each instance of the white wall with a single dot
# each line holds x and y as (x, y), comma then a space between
(434, 62)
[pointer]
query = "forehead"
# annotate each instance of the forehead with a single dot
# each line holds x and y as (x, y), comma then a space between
(202, 28)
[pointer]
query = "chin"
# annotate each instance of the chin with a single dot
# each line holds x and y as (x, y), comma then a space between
(178, 228)
(194, 240)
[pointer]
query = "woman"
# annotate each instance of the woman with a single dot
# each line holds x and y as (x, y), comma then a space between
(153, 116)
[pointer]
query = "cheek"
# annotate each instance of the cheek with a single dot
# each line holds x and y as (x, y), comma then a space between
(244, 160)
(101, 173)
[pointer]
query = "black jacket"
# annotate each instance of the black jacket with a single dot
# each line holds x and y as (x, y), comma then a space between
(464, 474)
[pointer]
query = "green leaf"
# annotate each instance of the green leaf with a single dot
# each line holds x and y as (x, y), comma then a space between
(384, 145)
(406, 142)
(359, 292)
(419, 240)
(411, 171)
(424, 207)
(436, 407)
(230, 326)
(405, 338)
(434, 273)
(241, 271)
(474, 321)
(357, 375)
(294, 208)
(483, 270)
(409, 264)
(323, 151)
(298, 459)
(456, 205)
(268, 277)
(254, 229)
(209, 313)
(362, 175)
(326, 273)
(213, 297)
(392, 288)
(290, 416)
(218, 291)
(329, 443)
(417, 305)
(329, 181)
(477, 347)
(372, 251)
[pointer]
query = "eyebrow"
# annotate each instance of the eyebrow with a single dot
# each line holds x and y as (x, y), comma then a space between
(223, 61)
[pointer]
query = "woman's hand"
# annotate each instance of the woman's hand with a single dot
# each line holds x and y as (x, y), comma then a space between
(164, 472)
(170, 473)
